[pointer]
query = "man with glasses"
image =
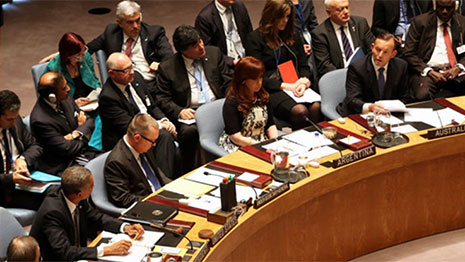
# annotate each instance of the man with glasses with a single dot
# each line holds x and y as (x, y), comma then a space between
(335, 40)
(124, 95)
(131, 170)
(435, 52)
(146, 45)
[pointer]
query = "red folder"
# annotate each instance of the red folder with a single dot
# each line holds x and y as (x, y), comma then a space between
(260, 182)
(447, 103)
(288, 73)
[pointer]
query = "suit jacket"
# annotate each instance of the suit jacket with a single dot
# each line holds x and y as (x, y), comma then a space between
(311, 21)
(386, 14)
(155, 44)
(362, 85)
(421, 40)
(211, 28)
(49, 128)
(174, 90)
(326, 49)
(125, 180)
(54, 231)
(116, 111)
(257, 47)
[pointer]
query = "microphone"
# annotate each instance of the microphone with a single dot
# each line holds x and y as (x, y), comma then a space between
(321, 132)
(176, 232)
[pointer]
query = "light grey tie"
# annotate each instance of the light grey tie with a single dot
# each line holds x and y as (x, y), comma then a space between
(229, 16)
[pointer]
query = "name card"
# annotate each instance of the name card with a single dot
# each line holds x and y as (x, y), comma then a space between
(355, 156)
(202, 253)
(271, 195)
(232, 222)
(445, 131)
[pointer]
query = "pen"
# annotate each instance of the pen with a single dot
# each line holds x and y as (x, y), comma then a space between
(136, 236)
(348, 139)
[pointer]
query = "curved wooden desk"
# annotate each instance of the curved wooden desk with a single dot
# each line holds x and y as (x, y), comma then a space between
(403, 193)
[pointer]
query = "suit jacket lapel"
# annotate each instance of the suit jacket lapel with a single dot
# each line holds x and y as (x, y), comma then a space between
(70, 114)
(180, 67)
(54, 116)
(354, 33)
(132, 161)
(122, 98)
(218, 23)
(144, 41)
(391, 77)
(372, 77)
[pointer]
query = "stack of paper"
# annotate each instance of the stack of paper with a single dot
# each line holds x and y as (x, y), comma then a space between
(309, 96)
(307, 139)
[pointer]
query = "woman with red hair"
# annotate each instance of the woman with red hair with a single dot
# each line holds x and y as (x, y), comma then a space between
(76, 64)
(247, 112)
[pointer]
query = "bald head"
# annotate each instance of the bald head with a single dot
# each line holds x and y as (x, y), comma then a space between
(53, 83)
(120, 68)
(23, 248)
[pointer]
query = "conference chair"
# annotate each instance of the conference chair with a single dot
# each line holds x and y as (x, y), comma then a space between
(332, 91)
(102, 65)
(27, 122)
(37, 71)
(210, 124)
(24, 216)
(99, 194)
(10, 229)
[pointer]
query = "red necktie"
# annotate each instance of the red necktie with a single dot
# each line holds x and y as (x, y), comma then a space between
(450, 51)
(129, 47)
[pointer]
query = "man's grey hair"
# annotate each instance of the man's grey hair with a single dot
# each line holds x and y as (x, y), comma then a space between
(128, 8)
(75, 179)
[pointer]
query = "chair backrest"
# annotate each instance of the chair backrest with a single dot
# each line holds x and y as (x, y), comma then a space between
(332, 91)
(27, 122)
(102, 65)
(10, 229)
(37, 71)
(99, 194)
(210, 124)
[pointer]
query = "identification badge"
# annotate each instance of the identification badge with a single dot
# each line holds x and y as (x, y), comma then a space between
(307, 36)
(461, 49)
(201, 97)
(147, 101)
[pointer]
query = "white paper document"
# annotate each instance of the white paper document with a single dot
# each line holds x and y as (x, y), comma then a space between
(447, 116)
(206, 202)
(287, 145)
(393, 105)
(307, 139)
(93, 96)
(242, 192)
(89, 107)
(404, 129)
(138, 249)
(316, 153)
(392, 120)
(187, 122)
(309, 96)
(349, 141)
(249, 177)
(208, 176)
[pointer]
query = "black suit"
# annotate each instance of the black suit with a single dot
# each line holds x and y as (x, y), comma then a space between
(419, 47)
(126, 183)
(386, 14)
(116, 113)
(155, 44)
(326, 49)
(362, 85)
(211, 28)
(53, 229)
(49, 128)
(28, 148)
(308, 10)
(174, 94)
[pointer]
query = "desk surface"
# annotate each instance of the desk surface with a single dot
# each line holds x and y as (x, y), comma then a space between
(399, 194)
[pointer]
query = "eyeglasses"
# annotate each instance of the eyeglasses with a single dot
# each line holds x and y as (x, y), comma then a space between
(125, 71)
(448, 8)
(80, 56)
(148, 140)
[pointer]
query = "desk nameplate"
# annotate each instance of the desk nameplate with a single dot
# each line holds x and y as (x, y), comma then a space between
(355, 156)
(232, 222)
(271, 195)
(445, 131)
(202, 253)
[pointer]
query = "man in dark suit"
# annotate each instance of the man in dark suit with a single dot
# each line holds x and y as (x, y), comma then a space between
(66, 220)
(394, 16)
(435, 52)
(124, 95)
(131, 170)
(19, 151)
(378, 76)
(195, 75)
(333, 46)
(60, 127)
(225, 24)
(147, 45)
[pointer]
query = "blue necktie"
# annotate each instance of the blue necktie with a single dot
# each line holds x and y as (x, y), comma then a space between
(346, 44)
(131, 100)
(200, 83)
(148, 171)
(381, 82)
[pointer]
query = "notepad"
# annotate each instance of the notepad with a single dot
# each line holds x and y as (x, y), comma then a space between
(188, 188)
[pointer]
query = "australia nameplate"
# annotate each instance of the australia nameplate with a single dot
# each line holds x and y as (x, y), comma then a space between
(355, 156)
(445, 131)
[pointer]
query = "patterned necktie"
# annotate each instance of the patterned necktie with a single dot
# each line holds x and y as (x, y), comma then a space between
(60, 111)
(450, 51)
(131, 100)
(230, 21)
(381, 82)
(200, 83)
(8, 157)
(148, 171)
(346, 44)
(128, 51)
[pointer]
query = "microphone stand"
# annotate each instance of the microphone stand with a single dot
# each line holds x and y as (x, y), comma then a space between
(177, 232)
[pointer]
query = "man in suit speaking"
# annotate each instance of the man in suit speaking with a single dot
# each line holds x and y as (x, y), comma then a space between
(378, 76)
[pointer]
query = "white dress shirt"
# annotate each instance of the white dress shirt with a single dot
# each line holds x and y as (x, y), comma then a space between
(337, 29)
(365, 108)
(194, 89)
(140, 63)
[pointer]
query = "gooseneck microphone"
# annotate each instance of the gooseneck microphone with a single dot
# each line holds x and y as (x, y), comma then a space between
(338, 148)
(176, 232)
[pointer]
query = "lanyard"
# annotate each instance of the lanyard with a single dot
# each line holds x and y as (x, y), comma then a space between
(277, 56)
(300, 15)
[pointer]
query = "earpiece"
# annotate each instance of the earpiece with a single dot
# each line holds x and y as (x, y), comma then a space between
(52, 98)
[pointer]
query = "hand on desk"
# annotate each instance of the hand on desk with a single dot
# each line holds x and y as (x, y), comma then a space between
(119, 248)
(135, 230)
(377, 108)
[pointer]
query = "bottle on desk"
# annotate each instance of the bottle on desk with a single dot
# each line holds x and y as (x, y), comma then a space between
(315, 160)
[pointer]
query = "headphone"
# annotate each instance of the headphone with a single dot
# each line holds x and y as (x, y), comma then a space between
(47, 92)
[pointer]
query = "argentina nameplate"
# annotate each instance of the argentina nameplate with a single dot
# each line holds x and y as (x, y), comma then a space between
(355, 156)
